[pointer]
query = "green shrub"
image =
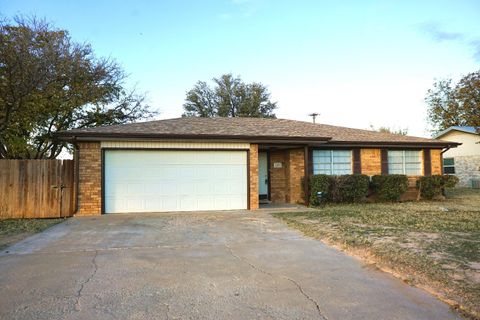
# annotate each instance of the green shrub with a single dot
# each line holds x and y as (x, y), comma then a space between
(344, 188)
(319, 183)
(430, 186)
(349, 188)
(433, 186)
(450, 181)
(389, 187)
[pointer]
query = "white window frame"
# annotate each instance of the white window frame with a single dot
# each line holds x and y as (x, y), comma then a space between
(404, 163)
(332, 163)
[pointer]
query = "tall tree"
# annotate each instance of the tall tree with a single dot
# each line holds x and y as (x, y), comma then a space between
(50, 83)
(230, 97)
(454, 104)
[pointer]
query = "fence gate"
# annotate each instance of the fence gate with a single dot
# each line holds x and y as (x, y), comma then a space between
(36, 188)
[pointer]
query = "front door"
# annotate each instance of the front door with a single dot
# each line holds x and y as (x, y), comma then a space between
(263, 175)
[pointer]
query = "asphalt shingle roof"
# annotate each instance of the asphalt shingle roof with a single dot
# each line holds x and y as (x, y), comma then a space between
(191, 127)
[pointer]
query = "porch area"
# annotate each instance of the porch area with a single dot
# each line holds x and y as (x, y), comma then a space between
(280, 176)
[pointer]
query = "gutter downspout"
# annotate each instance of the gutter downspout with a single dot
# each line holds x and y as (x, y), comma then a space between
(76, 158)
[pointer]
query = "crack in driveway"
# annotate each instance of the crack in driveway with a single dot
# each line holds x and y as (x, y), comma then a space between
(82, 285)
(297, 285)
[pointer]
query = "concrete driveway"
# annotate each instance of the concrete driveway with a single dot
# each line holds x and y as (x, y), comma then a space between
(223, 265)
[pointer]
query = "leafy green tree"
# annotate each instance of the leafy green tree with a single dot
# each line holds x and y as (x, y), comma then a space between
(230, 97)
(454, 104)
(50, 83)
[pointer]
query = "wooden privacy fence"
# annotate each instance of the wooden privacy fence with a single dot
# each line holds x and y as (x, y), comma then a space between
(36, 188)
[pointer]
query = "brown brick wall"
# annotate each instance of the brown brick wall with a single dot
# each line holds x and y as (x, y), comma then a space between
(90, 179)
(253, 176)
(295, 173)
(278, 176)
(436, 158)
(371, 161)
(286, 182)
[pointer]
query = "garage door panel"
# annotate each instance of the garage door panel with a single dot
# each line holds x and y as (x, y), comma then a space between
(133, 203)
(136, 188)
(206, 203)
(204, 188)
(152, 188)
(151, 203)
(148, 181)
(116, 188)
(236, 188)
(115, 204)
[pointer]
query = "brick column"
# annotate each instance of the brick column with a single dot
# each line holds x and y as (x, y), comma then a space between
(253, 176)
(436, 161)
(90, 179)
(295, 173)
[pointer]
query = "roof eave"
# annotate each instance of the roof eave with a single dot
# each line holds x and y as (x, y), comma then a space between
(396, 144)
(84, 136)
(444, 132)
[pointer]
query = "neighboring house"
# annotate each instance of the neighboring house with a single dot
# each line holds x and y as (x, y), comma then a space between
(463, 161)
(190, 164)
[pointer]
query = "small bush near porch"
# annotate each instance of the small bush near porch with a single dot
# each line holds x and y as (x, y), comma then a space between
(431, 244)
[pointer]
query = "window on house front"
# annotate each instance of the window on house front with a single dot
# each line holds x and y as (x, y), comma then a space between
(332, 162)
(448, 165)
(404, 162)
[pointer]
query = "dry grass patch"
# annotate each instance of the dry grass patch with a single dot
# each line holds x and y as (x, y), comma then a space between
(433, 245)
(14, 230)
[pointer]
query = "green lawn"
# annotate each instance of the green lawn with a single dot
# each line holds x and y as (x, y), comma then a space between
(431, 244)
(14, 230)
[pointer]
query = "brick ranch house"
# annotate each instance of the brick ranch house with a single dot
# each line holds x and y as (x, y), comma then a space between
(188, 164)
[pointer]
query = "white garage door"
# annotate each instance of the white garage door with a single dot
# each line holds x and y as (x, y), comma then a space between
(152, 181)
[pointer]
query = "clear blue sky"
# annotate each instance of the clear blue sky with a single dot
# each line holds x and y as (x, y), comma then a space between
(356, 62)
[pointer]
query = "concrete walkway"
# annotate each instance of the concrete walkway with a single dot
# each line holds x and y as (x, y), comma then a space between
(222, 265)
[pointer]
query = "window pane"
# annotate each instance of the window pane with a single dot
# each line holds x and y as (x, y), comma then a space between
(412, 163)
(395, 162)
(322, 161)
(342, 168)
(323, 164)
(412, 156)
(395, 168)
(412, 169)
(395, 157)
(341, 156)
(448, 162)
(449, 170)
(322, 154)
(321, 169)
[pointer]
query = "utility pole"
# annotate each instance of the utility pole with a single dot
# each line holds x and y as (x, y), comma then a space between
(314, 115)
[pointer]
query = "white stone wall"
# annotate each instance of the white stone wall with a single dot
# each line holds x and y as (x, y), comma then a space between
(467, 168)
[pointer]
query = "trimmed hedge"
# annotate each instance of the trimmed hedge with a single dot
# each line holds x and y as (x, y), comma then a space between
(319, 183)
(350, 188)
(345, 188)
(389, 187)
(450, 181)
(433, 186)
